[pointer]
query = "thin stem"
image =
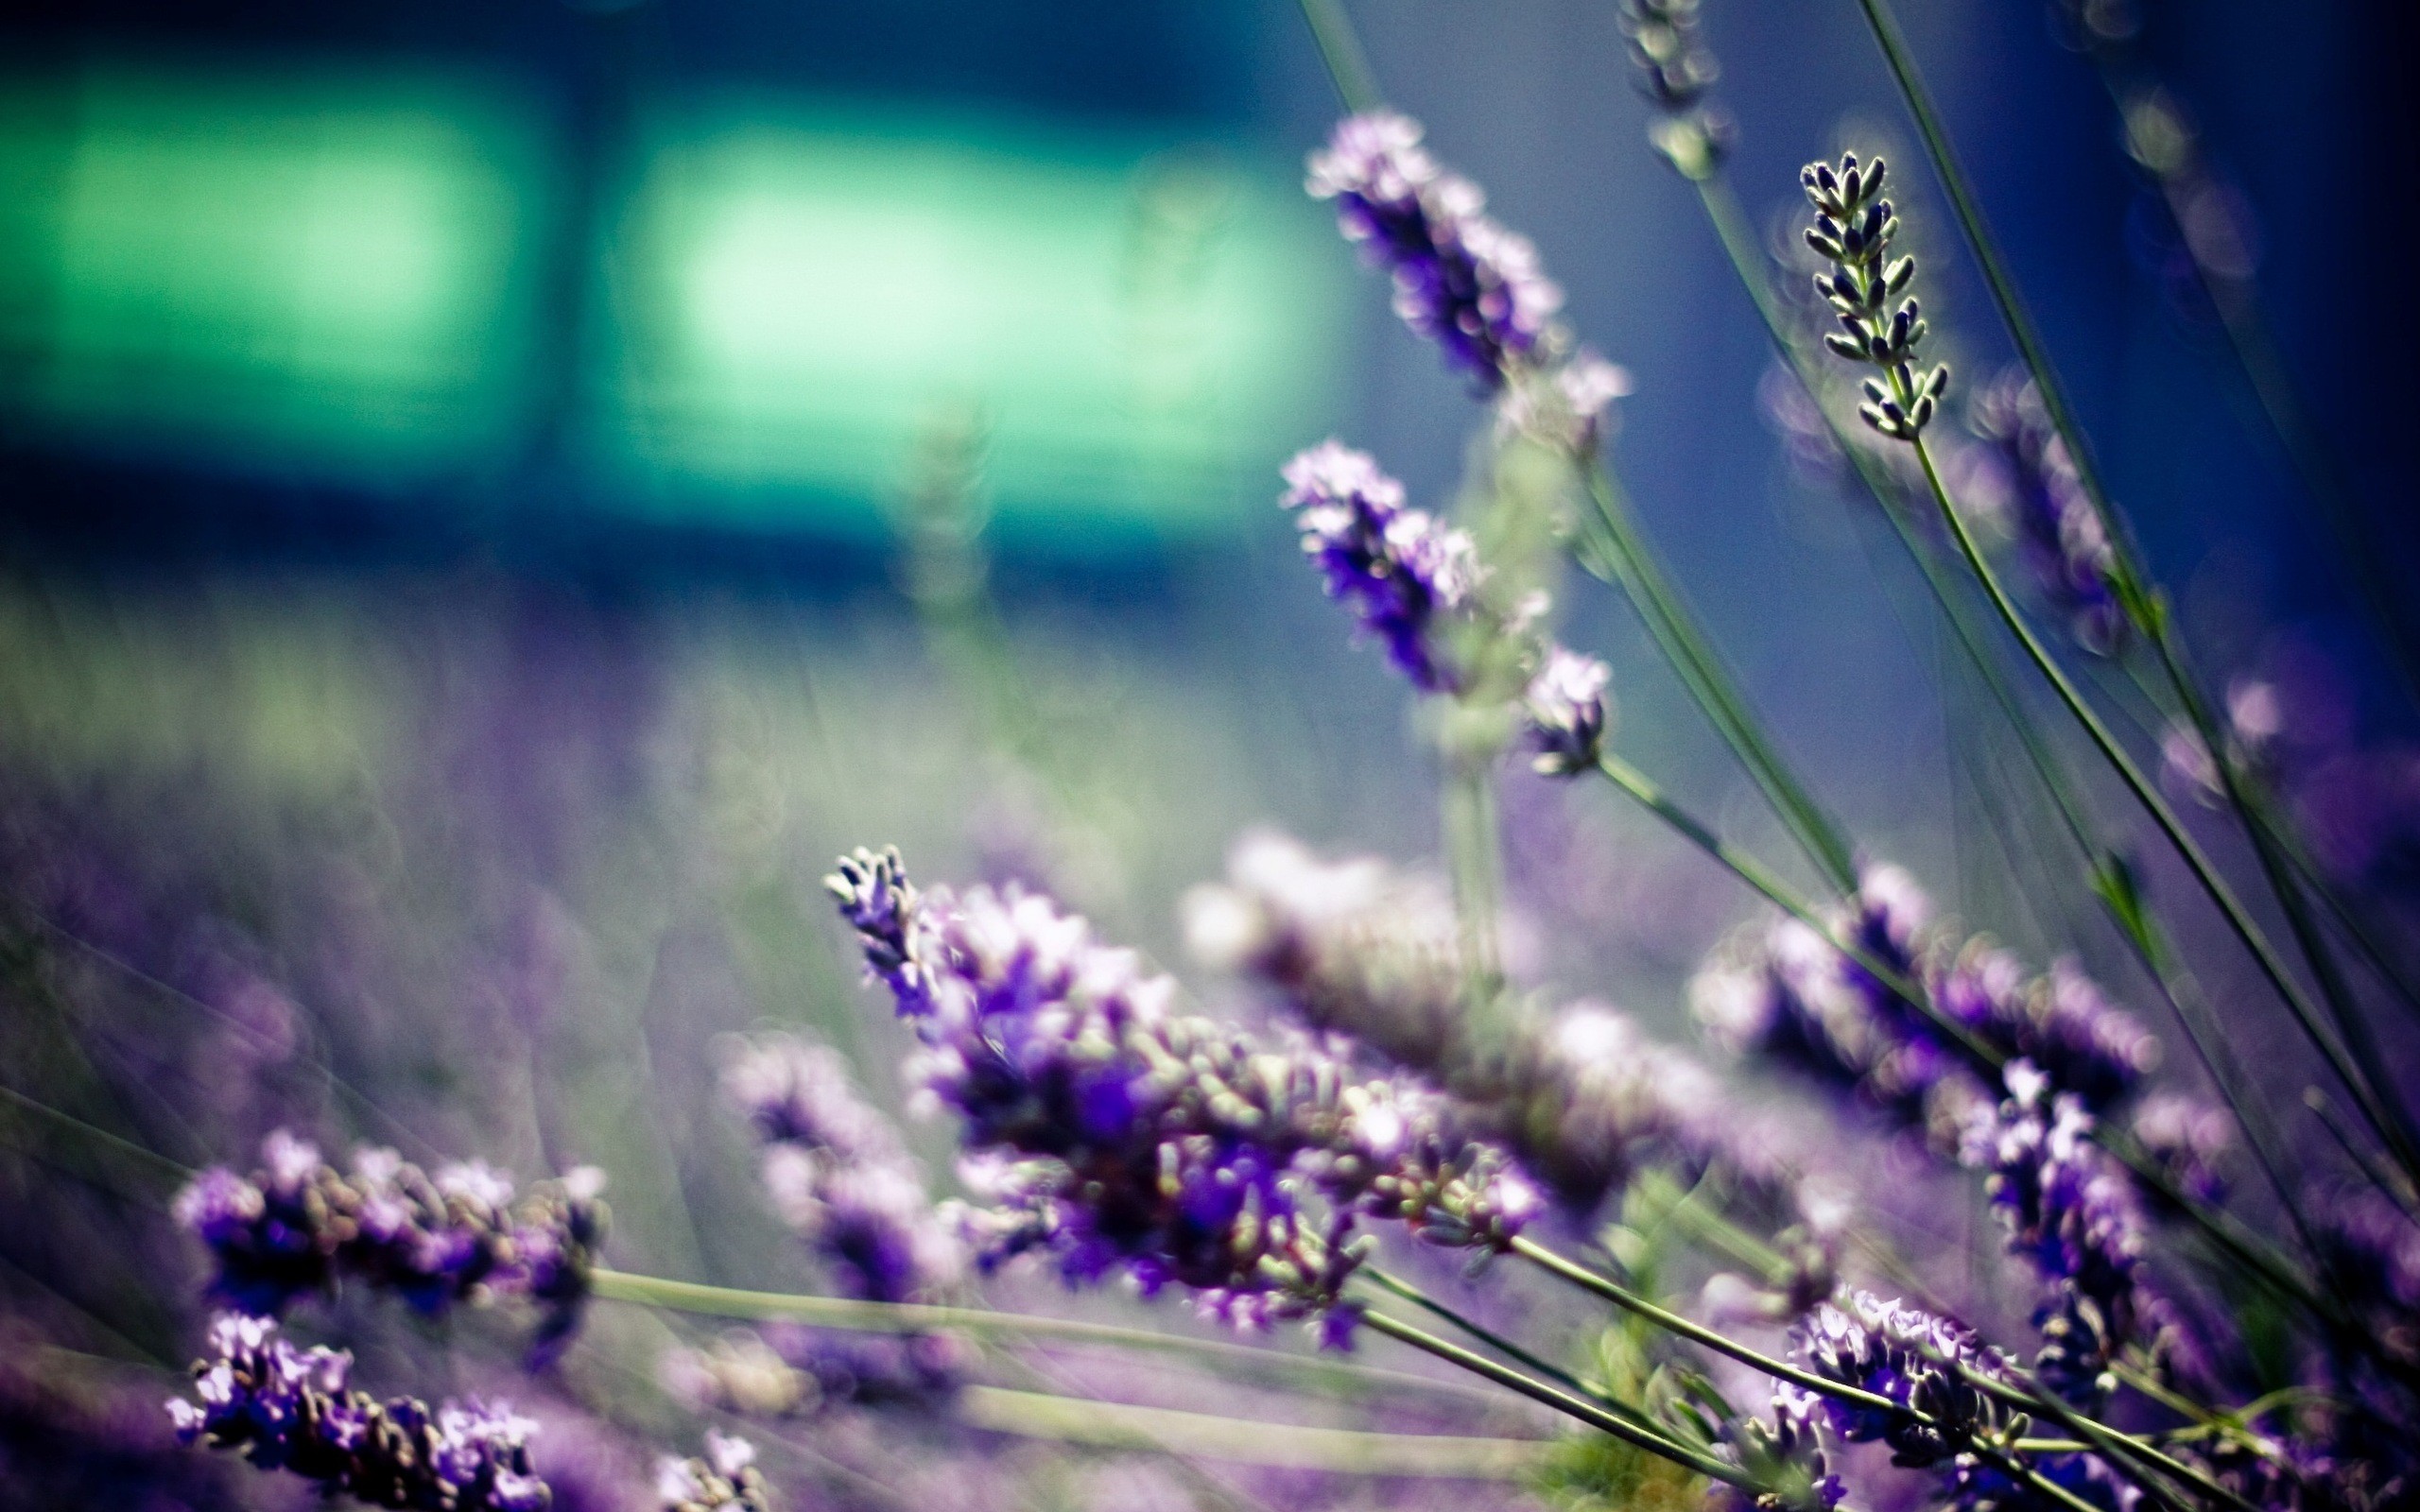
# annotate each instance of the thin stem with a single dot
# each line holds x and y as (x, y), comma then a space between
(1632, 563)
(1672, 1322)
(1078, 1419)
(2145, 794)
(1515, 1352)
(910, 1317)
(1538, 1391)
(1348, 66)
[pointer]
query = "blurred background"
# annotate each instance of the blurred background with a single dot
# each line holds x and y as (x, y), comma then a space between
(494, 497)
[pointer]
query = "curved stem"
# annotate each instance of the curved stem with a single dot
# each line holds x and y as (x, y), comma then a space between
(1587, 1412)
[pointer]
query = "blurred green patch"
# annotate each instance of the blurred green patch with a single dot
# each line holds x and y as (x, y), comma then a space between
(304, 270)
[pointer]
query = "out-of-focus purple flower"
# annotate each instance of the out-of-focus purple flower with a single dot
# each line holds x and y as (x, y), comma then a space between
(300, 1224)
(1784, 1454)
(2041, 496)
(1569, 712)
(284, 1408)
(1460, 280)
(838, 1174)
(2072, 1212)
(1782, 989)
(1117, 1136)
(1582, 1095)
(1569, 408)
(2188, 1138)
(793, 1370)
(1401, 572)
(1912, 1358)
(723, 1479)
(2062, 1021)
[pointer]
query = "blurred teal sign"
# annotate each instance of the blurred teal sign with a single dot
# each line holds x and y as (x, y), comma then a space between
(333, 274)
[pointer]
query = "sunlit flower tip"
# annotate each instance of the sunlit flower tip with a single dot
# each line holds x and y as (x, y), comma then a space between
(1570, 407)
(1569, 712)
(725, 1479)
(1460, 280)
(1398, 570)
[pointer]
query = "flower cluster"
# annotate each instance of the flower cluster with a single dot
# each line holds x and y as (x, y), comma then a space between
(837, 1171)
(1460, 280)
(1925, 1366)
(1853, 230)
(1784, 989)
(1116, 1135)
(300, 1224)
(284, 1408)
(2071, 1212)
(1355, 949)
(724, 1479)
(2041, 498)
(1569, 710)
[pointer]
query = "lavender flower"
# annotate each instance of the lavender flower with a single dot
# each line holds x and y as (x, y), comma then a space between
(838, 1174)
(1460, 280)
(2072, 1212)
(1570, 407)
(283, 1408)
(1853, 230)
(2042, 499)
(793, 1370)
(1569, 712)
(300, 1224)
(1402, 573)
(1917, 1361)
(724, 1479)
(1784, 991)
(2062, 1022)
(1676, 71)
(1114, 1135)
(1582, 1094)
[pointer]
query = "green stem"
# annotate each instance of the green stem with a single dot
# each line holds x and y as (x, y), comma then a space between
(1634, 566)
(1509, 1349)
(1562, 1401)
(1348, 66)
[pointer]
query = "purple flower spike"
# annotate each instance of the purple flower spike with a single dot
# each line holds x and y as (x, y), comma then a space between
(284, 1408)
(838, 1174)
(1400, 571)
(1117, 1136)
(300, 1224)
(2043, 500)
(1460, 280)
(2072, 1212)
